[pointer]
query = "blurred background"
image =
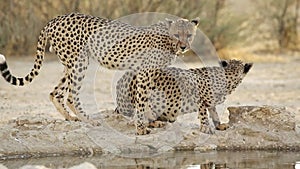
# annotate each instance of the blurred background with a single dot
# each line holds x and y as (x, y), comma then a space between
(252, 29)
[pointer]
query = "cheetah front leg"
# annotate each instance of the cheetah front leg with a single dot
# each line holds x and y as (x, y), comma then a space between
(143, 85)
(203, 117)
(214, 115)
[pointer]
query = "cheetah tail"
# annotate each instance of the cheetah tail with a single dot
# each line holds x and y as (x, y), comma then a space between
(40, 52)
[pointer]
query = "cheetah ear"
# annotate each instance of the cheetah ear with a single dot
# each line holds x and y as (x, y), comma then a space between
(247, 67)
(224, 63)
(196, 21)
(169, 22)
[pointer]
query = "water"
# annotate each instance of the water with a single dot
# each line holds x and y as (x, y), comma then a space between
(180, 160)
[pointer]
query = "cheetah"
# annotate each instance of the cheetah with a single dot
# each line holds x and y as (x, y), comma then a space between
(175, 91)
(76, 38)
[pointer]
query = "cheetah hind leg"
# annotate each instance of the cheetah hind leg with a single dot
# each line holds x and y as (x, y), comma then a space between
(57, 97)
(75, 105)
(73, 99)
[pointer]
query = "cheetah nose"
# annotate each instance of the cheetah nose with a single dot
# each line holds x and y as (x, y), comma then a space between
(182, 48)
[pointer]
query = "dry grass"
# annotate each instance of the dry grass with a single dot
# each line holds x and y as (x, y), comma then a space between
(22, 20)
(248, 56)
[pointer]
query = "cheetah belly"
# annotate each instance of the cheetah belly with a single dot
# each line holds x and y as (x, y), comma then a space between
(167, 109)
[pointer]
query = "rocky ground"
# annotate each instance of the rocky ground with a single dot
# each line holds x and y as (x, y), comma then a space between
(264, 113)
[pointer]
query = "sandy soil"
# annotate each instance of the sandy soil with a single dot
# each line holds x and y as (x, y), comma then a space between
(29, 109)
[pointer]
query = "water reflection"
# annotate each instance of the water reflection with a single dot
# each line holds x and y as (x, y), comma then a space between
(207, 166)
(180, 160)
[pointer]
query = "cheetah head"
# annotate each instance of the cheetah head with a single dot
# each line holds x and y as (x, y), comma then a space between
(236, 68)
(183, 31)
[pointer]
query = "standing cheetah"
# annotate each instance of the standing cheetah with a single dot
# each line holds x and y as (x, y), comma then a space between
(174, 91)
(75, 38)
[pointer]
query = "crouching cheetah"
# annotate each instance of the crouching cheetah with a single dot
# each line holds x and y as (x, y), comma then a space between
(76, 38)
(173, 91)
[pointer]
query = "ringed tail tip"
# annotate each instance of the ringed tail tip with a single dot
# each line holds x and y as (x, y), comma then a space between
(2, 59)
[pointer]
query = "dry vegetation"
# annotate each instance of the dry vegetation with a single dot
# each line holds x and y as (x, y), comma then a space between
(273, 21)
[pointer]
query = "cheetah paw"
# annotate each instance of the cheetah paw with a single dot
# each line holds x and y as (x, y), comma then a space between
(222, 126)
(143, 131)
(206, 129)
(157, 124)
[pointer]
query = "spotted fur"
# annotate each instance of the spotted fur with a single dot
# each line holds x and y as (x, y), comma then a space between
(76, 38)
(173, 91)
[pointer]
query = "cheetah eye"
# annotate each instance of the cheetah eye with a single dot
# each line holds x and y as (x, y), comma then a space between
(176, 35)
